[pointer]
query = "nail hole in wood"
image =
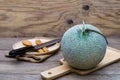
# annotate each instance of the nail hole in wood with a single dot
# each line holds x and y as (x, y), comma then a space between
(86, 7)
(70, 21)
(49, 72)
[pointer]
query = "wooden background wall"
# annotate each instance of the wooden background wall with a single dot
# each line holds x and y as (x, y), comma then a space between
(21, 18)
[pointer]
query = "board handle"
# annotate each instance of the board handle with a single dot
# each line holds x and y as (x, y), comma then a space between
(55, 72)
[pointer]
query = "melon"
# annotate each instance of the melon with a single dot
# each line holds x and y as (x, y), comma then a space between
(83, 46)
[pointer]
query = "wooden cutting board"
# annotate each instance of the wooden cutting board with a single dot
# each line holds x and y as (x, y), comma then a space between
(112, 55)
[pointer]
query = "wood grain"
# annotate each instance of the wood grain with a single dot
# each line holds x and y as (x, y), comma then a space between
(6, 43)
(19, 77)
(90, 77)
(10, 69)
(53, 17)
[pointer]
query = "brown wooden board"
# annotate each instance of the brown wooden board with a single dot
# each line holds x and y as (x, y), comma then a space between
(112, 55)
(52, 18)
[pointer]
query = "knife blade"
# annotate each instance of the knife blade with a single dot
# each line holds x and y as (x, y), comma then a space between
(23, 50)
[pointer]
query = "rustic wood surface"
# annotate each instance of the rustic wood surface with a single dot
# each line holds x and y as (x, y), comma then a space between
(19, 18)
(112, 56)
(10, 69)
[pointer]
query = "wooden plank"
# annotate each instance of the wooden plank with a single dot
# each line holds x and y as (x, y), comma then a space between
(18, 67)
(114, 42)
(6, 43)
(9, 66)
(53, 18)
(71, 76)
(74, 76)
(19, 77)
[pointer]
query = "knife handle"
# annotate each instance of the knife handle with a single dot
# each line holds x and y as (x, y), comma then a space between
(21, 51)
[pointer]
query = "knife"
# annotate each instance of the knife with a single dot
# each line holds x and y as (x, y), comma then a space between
(23, 50)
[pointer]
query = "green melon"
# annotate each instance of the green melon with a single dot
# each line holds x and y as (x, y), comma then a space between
(83, 46)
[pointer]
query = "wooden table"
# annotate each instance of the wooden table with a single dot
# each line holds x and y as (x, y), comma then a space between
(10, 69)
